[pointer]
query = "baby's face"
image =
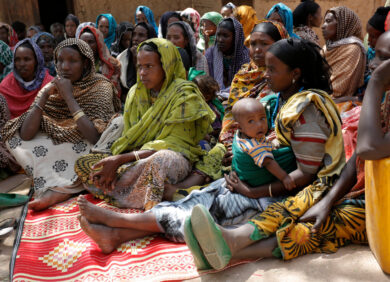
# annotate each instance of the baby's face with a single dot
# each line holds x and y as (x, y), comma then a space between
(254, 123)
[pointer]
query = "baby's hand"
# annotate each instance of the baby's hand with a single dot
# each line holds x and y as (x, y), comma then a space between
(275, 144)
(288, 183)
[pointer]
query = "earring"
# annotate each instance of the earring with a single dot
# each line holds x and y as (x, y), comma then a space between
(293, 81)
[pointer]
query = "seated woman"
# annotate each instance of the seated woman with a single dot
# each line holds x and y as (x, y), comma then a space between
(250, 80)
(105, 64)
(65, 120)
(208, 23)
(47, 43)
(307, 111)
(27, 78)
(226, 58)
(124, 33)
(344, 51)
(128, 58)
(107, 25)
(166, 19)
(306, 16)
(165, 117)
(6, 58)
(8, 35)
(283, 14)
(144, 14)
(306, 69)
(71, 24)
(181, 35)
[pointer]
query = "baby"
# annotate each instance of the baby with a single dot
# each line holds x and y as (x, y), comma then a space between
(250, 115)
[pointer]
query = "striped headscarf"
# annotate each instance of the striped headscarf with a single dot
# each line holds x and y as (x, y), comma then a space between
(348, 23)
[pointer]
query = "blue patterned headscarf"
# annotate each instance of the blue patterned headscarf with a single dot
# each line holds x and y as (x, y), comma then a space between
(149, 16)
(287, 17)
(40, 70)
(111, 30)
(6, 58)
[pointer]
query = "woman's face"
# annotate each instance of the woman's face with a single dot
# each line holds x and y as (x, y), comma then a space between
(104, 26)
(89, 38)
(25, 63)
(47, 50)
(276, 17)
(373, 35)
(70, 64)
(4, 35)
(225, 40)
(226, 12)
(208, 28)
(278, 74)
(140, 34)
(316, 19)
(70, 28)
(141, 18)
(258, 46)
(329, 27)
(126, 39)
(150, 70)
(382, 51)
(175, 35)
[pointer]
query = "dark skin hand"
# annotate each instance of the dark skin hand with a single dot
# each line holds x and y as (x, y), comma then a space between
(31, 125)
(106, 177)
(234, 184)
(320, 211)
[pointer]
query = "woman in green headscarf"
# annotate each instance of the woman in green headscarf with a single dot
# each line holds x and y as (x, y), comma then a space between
(208, 28)
(165, 117)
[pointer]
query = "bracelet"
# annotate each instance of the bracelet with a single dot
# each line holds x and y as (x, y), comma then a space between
(38, 106)
(76, 113)
(78, 116)
(136, 155)
(270, 190)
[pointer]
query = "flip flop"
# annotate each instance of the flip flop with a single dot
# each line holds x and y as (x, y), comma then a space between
(210, 238)
(8, 200)
(199, 258)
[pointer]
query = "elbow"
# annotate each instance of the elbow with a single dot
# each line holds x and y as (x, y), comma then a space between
(368, 152)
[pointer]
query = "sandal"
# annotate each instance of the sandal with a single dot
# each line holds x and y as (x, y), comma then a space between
(8, 200)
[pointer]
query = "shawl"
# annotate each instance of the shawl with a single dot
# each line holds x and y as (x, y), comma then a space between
(215, 18)
(6, 58)
(81, 26)
(162, 30)
(289, 114)
(37, 36)
(110, 67)
(94, 93)
(12, 36)
(193, 17)
(111, 29)
(247, 17)
(249, 76)
(177, 120)
(149, 16)
(17, 92)
(287, 16)
(191, 46)
(240, 56)
(116, 47)
(307, 33)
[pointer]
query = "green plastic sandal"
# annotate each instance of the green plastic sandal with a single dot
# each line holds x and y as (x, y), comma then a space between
(8, 200)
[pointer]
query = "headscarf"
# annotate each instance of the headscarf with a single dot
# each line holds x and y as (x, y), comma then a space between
(164, 22)
(287, 17)
(123, 27)
(12, 36)
(149, 16)
(191, 47)
(37, 29)
(162, 124)
(94, 93)
(111, 29)
(131, 72)
(240, 56)
(81, 26)
(249, 76)
(37, 36)
(51, 40)
(215, 18)
(247, 17)
(17, 92)
(194, 18)
(231, 6)
(377, 21)
(6, 58)
(110, 67)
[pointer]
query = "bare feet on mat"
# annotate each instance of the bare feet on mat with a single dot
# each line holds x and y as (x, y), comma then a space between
(102, 235)
(93, 213)
(48, 199)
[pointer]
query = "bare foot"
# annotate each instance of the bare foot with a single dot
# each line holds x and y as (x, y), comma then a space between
(102, 235)
(93, 213)
(48, 199)
(169, 191)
